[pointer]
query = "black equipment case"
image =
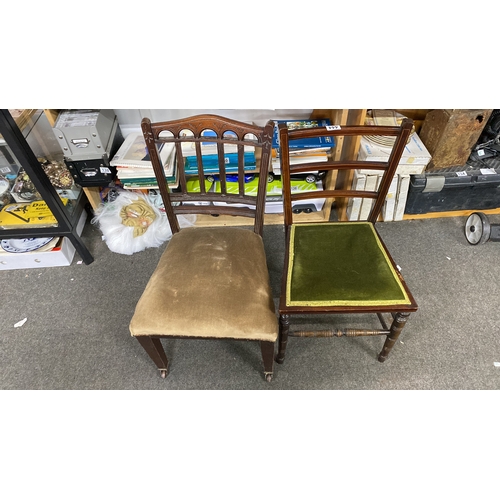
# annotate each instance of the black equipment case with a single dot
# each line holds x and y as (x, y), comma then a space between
(449, 191)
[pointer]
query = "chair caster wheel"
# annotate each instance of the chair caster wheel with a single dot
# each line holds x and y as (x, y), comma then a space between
(163, 373)
(269, 377)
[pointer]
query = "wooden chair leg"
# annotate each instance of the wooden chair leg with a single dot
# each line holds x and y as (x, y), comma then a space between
(398, 324)
(155, 351)
(283, 337)
(267, 349)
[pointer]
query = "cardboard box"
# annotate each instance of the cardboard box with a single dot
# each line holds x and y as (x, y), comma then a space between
(390, 201)
(402, 194)
(393, 208)
(61, 255)
(354, 204)
(413, 161)
(372, 184)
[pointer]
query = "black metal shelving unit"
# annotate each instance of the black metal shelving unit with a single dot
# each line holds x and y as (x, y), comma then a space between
(67, 219)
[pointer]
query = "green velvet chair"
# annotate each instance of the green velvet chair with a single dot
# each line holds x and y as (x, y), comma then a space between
(211, 282)
(341, 267)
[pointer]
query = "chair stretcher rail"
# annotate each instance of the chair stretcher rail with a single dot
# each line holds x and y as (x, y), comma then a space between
(339, 332)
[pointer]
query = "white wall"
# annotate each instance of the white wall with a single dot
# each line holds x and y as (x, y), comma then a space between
(130, 119)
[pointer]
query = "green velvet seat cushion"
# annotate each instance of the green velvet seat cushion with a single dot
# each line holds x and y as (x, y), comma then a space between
(340, 264)
(209, 282)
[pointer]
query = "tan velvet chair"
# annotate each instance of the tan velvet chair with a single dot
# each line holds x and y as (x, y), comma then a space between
(211, 282)
(341, 267)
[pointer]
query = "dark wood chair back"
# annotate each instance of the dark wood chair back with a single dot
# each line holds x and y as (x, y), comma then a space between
(223, 131)
(387, 168)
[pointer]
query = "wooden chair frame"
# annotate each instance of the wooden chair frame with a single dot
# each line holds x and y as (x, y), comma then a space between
(399, 313)
(198, 124)
(237, 204)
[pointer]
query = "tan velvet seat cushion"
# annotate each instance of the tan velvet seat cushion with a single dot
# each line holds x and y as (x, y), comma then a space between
(209, 282)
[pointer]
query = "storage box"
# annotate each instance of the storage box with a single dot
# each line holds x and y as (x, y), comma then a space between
(401, 196)
(61, 255)
(450, 191)
(395, 201)
(354, 204)
(389, 207)
(89, 139)
(91, 173)
(84, 134)
(414, 159)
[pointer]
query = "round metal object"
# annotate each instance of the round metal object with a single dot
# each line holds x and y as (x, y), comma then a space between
(477, 228)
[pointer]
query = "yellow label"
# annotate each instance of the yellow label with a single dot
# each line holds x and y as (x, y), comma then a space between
(28, 214)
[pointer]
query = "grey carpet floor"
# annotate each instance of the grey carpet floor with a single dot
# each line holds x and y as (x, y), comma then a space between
(76, 334)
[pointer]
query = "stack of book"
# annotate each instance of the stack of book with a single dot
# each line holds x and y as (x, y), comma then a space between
(315, 149)
(133, 166)
(210, 157)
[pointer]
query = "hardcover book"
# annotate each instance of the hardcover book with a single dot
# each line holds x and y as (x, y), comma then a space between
(313, 142)
(211, 163)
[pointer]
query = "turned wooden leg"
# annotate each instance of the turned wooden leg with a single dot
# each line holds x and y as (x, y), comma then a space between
(283, 337)
(398, 324)
(267, 349)
(155, 351)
